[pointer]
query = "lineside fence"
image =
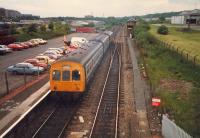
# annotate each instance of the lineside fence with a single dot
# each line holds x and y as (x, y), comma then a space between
(185, 54)
(10, 82)
(171, 130)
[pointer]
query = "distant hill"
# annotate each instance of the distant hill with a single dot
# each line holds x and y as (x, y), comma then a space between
(165, 14)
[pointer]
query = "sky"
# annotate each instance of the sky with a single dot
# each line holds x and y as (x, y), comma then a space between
(80, 8)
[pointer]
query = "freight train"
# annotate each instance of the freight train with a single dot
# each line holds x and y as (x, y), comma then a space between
(72, 73)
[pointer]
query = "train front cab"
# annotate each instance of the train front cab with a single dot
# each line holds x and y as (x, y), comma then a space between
(68, 77)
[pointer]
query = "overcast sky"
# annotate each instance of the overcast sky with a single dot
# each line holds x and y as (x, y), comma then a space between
(79, 8)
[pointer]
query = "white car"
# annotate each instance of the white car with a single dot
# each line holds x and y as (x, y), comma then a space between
(79, 39)
(57, 49)
(53, 53)
(41, 41)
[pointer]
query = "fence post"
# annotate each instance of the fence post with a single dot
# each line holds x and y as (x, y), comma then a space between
(24, 77)
(7, 87)
(187, 56)
(195, 59)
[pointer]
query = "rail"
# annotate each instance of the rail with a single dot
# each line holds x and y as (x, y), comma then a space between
(105, 101)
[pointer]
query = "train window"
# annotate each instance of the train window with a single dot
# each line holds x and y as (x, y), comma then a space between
(76, 75)
(66, 75)
(56, 75)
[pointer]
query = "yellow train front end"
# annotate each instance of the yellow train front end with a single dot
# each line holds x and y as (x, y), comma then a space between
(67, 77)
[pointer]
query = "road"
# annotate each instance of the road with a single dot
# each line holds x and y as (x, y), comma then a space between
(20, 56)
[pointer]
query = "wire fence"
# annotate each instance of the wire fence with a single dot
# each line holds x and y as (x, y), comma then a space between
(184, 53)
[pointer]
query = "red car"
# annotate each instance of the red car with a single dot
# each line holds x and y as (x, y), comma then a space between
(22, 44)
(15, 46)
(35, 62)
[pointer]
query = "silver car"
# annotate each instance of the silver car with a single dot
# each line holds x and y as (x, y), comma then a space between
(25, 68)
(4, 49)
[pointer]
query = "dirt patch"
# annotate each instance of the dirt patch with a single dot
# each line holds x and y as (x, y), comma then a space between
(173, 85)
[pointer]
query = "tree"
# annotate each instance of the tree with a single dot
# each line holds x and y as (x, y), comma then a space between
(13, 29)
(67, 28)
(43, 28)
(51, 26)
(32, 28)
(161, 19)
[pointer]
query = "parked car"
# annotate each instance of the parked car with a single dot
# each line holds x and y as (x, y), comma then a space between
(26, 68)
(41, 41)
(51, 56)
(4, 49)
(44, 59)
(57, 49)
(36, 62)
(29, 44)
(35, 42)
(22, 44)
(51, 52)
(15, 46)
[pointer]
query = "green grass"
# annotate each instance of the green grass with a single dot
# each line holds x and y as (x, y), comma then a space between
(162, 64)
(190, 41)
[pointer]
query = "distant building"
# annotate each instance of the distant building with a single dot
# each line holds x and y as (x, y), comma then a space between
(185, 17)
(79, 23)
(32, 22)
(151, 19)
(7, 15)
(89, 16)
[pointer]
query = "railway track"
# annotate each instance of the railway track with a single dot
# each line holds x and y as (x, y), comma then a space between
(56, 122)
(105, 123)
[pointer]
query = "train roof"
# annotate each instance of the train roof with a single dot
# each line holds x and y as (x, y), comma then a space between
(83, 53)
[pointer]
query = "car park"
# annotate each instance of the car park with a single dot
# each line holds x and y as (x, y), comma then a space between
(4, 49)
(15, 46)
(36, 62)
(25, 68)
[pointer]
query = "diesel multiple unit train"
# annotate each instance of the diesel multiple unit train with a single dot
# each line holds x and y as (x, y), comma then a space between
(72, 73)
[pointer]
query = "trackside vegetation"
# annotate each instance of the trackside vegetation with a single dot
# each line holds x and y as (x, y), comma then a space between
(44, 31)
(175, 80)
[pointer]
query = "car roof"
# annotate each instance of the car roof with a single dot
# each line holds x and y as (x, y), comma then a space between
(31, 59)
(23, 63)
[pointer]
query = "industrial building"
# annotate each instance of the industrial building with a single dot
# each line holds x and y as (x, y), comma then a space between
(185, 17)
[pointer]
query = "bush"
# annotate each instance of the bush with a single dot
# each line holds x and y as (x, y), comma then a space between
(142, 35)
(43, 28)
(163, 30)
(32, 28)
(51, 26)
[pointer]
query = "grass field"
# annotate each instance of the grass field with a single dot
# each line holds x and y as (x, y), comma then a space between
(178, 85)
(190, 41)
